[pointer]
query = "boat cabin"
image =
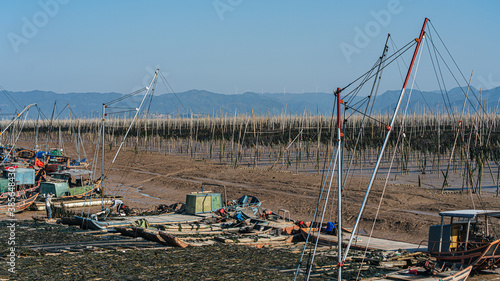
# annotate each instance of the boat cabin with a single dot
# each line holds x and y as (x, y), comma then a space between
(68, 183)
(74, 177)
(20, 181)
(466, 229)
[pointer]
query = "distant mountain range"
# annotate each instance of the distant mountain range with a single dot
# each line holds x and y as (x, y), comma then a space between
(204, 103)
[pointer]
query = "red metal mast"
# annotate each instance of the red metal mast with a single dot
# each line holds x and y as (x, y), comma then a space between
(389, 129)
(419, 40)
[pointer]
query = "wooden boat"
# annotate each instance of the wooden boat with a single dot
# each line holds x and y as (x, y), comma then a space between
(18, 206)
(70, 184)
(172, 240)
(21, 192)
(128, 221)
(466, 239)
(26, 154)
(423, 274)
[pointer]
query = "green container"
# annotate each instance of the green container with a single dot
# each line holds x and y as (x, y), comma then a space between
(203, 202)
(56, 188)
(56, 152)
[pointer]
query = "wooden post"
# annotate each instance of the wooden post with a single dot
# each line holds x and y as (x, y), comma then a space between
(467, 235)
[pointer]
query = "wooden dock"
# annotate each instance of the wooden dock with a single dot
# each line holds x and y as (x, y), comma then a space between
(362, 242)
(374, 243)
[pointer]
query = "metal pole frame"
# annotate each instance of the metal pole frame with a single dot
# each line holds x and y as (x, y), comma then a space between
(386, 140)
(441, 234)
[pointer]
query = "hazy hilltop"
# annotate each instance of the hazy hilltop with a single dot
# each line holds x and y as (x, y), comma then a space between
(202, 102)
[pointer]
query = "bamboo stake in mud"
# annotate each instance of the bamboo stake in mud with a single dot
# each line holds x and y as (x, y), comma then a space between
(445, 183)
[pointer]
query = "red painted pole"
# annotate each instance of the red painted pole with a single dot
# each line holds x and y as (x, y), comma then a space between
(419, 40)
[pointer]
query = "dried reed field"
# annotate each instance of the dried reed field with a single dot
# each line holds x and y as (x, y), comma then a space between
(430, 149)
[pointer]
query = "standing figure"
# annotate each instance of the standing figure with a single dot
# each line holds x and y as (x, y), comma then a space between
(48, 202)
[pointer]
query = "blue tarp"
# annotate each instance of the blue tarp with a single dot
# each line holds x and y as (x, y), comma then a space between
(41, 154)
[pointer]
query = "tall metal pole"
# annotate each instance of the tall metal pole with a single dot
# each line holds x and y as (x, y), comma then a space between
(339, 191)
(16, 117)
(102, 143)
(137, 110)
(374, 91)
(386, 140)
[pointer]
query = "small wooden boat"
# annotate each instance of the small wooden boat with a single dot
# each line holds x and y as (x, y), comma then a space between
(18, 206)
(71, 184)
(424, 275)
(21, 192)
(466, 239)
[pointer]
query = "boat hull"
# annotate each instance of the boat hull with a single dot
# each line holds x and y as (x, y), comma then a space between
(482, 257)
(19, 206)
(421, 274)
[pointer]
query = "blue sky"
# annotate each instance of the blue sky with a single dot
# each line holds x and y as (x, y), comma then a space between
(232, 46)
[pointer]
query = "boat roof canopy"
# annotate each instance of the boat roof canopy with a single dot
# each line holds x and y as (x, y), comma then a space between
(470, 213)
(74, 172)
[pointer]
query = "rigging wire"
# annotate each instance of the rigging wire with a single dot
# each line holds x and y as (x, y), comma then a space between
(324, 178)
(365, 77)
(458, 83)
(456, 65)
(15, 139)
(349, 98)
(401, 132)
(151, 95)
(379, 158)
(448, 109)
(373, 92)
(369, 74)
(402, 78)
(49, 133)
(165, 82)
(12, 100)
(126, 96)
(390, 59)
